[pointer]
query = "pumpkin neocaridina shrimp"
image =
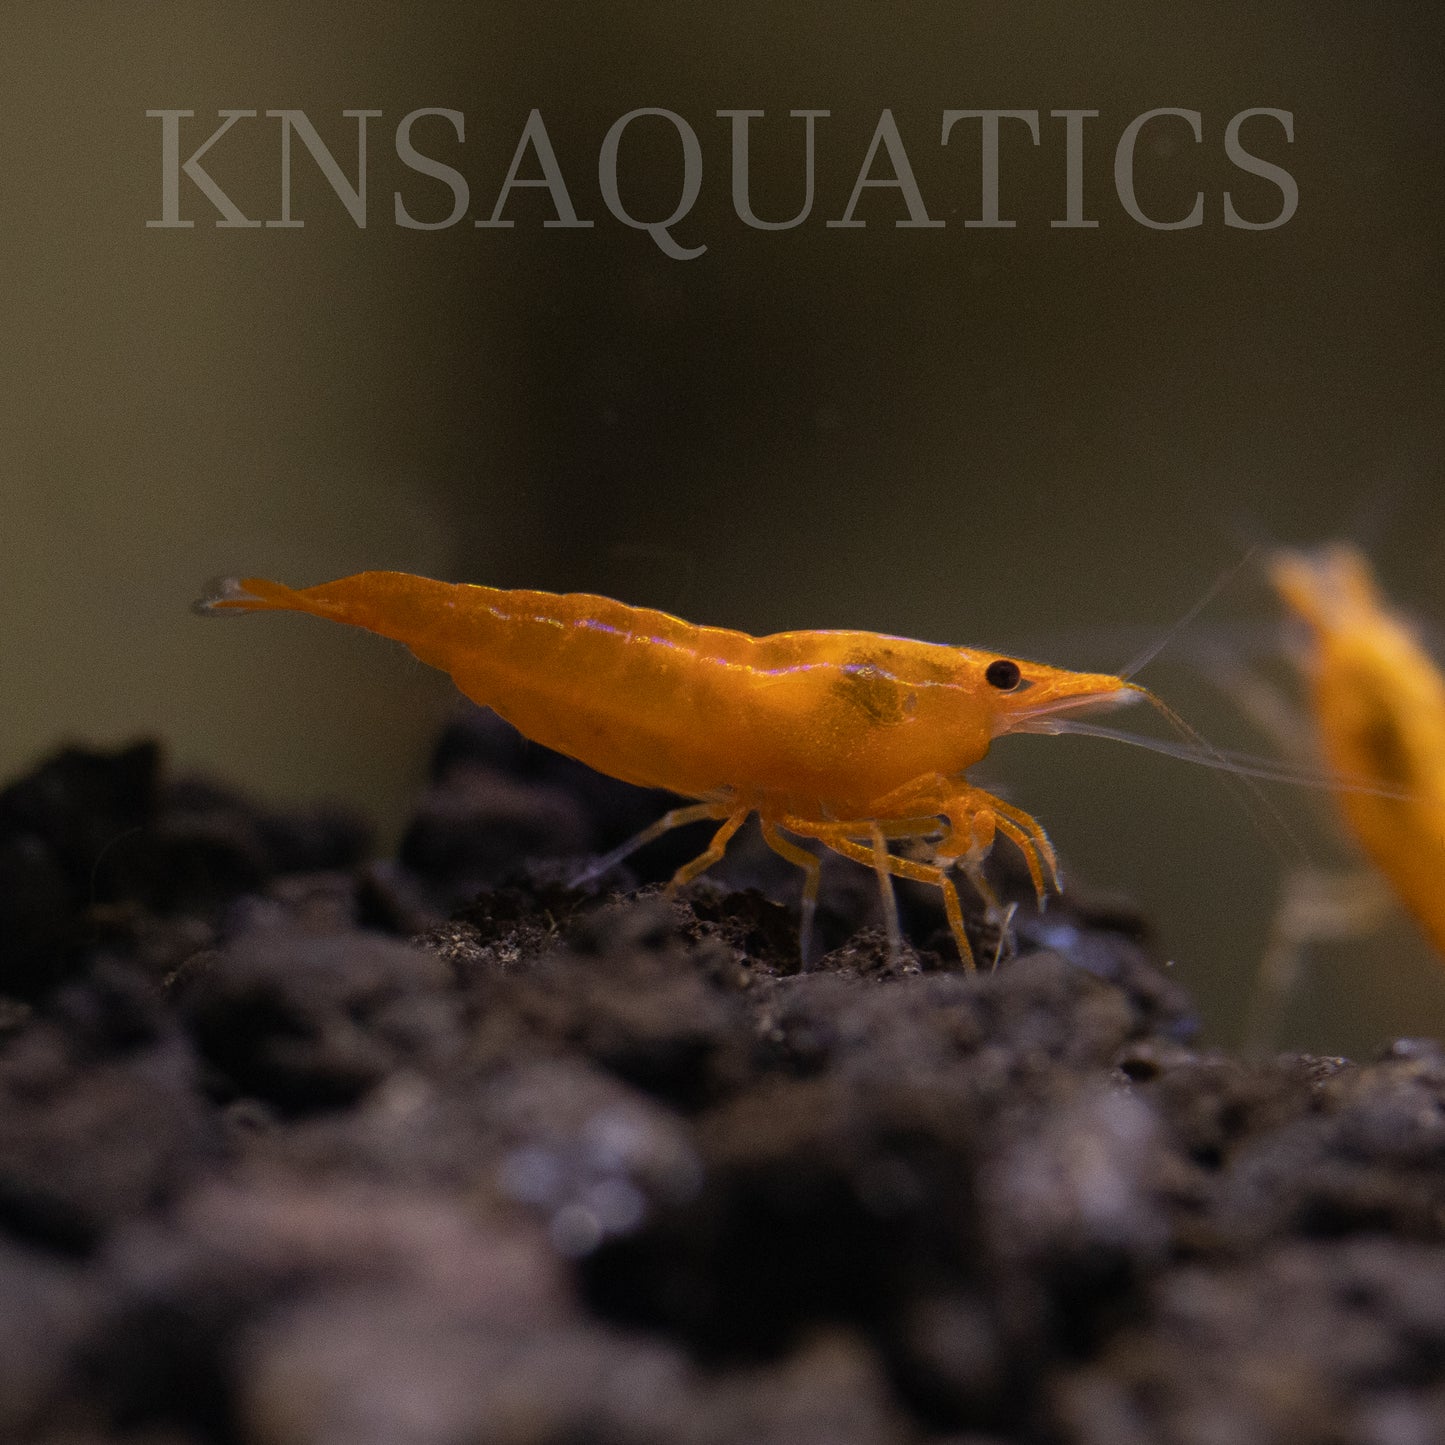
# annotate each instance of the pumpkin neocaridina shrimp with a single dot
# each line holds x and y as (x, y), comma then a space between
(850, 738)
(1379, 707)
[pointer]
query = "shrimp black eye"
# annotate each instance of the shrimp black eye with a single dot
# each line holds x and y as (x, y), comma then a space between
(1003, 675)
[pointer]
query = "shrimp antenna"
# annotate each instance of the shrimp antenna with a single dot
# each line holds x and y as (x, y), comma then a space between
(1250, 795)
(1159, 644)
(1198, 749)
(1228, 760)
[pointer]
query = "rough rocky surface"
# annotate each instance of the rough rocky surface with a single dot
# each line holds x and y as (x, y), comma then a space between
(300, 1149)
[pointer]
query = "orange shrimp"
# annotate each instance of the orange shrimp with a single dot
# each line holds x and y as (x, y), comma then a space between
(1379, 706)
(849, 738)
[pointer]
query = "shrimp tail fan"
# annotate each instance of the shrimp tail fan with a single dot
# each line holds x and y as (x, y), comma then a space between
(248, 594)
(416, 611)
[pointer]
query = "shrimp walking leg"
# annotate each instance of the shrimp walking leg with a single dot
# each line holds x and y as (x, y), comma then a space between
(835, 837)
(881, 860)
(983, 825)
(1316, 906)
(919, 873)
(1031, 841)
(1025, 845)
(711, 854)
(972, 865)
(812, 870)
(677, 818)
(998, 913)
(973, 816)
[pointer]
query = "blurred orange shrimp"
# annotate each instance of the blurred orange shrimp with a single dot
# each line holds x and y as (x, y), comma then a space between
(1378, 702)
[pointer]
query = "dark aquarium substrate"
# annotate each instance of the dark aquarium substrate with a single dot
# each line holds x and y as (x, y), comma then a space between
(302, 1148)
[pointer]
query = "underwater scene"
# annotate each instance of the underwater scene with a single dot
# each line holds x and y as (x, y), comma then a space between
(867, 861)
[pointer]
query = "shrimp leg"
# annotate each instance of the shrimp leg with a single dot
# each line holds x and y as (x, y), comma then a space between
(881, 867)
(919, 873)
(1031, 840)
(835, 836)
(977, 816)
(711, 854)
(676, 818)
(982, 827)
(812, 868)
(974, 814)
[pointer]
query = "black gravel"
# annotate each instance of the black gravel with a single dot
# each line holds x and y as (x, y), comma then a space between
(298, 1148)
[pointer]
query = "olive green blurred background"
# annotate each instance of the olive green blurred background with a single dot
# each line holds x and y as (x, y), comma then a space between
(1040, 439)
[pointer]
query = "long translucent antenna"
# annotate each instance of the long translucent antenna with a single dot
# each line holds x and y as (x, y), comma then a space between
(1251, 792)
(1257, 808)
(1159, 644)
(1226, 760)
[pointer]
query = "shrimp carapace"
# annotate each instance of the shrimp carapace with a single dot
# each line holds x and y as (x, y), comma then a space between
(854, 739)
(1378, 702)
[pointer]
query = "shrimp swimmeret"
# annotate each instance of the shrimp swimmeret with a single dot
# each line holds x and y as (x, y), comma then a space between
(853, 739)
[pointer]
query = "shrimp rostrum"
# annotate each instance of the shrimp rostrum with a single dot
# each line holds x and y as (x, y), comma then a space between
(852, 739)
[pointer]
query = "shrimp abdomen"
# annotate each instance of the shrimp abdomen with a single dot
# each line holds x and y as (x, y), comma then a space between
(626, 689)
